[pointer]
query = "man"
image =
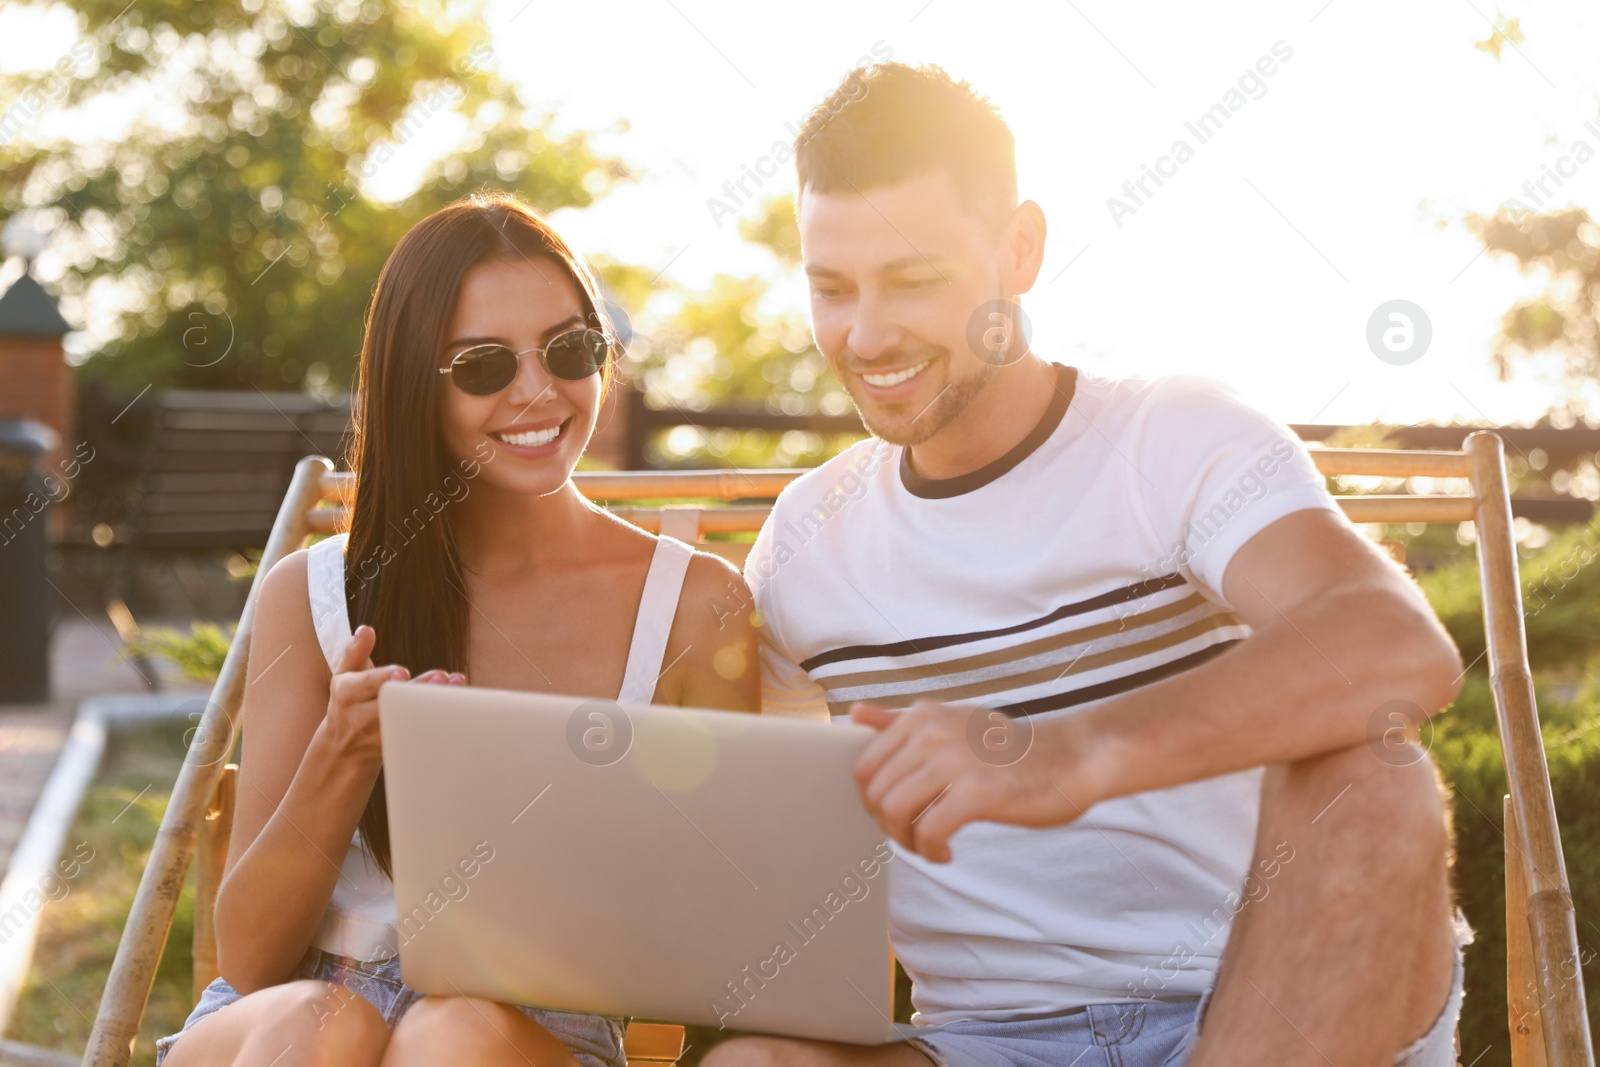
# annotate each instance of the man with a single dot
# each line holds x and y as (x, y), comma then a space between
(1142, 692)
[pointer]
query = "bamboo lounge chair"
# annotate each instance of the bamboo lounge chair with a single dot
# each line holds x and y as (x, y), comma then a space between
(1546, 1006)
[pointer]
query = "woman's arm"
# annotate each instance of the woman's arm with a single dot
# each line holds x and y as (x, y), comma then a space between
(713, 655)
(311, 756)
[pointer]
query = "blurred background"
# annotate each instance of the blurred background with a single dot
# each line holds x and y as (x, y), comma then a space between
(197, 197)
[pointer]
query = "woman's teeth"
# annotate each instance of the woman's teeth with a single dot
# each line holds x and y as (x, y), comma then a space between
(883, 381)
(531, 439)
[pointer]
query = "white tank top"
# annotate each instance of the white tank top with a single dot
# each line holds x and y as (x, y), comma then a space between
(360, 920)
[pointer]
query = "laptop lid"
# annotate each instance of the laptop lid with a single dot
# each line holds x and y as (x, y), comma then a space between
(695, 866)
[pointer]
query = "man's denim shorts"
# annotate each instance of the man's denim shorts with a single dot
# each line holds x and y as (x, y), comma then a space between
(594, 1040)
(1140, 1034)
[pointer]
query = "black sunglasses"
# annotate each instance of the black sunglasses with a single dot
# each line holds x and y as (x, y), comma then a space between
(484, 370)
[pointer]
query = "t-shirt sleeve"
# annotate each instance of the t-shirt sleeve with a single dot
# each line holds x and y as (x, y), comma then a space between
(786, 688)
(1214, 472)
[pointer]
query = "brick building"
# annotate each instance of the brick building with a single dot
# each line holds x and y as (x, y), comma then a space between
(35, 381)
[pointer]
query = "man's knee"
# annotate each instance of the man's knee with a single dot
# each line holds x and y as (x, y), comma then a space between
(1388, 803)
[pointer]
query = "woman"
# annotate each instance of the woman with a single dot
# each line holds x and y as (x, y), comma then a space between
(470, 554)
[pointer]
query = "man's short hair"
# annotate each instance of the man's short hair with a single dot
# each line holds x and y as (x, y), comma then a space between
(889, 122)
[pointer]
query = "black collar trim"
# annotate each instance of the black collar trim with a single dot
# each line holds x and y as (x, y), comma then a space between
(942, 488)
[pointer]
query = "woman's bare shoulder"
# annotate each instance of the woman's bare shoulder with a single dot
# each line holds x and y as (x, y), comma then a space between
(714, 632)
(283, 624)
(287, 584)
(710, 575)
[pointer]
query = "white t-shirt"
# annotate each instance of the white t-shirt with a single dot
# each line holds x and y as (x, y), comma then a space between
(1085, 563)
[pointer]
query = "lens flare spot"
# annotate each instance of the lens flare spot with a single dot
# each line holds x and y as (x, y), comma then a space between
(673, 752)
(730, 662)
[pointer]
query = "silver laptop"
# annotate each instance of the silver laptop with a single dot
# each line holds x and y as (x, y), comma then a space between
(665, 863)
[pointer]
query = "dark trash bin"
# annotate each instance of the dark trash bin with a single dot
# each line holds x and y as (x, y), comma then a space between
(25, 498)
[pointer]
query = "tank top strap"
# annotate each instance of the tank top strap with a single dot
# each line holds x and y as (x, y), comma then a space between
(657, 608)
(330, 614)
(360, 920)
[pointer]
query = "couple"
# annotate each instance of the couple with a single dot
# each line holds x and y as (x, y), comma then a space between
(1144, 582)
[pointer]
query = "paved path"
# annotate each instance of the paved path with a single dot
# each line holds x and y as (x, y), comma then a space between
(85, 661)
(29, 744)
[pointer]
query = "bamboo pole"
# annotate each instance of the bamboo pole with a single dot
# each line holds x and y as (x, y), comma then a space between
(747, 518)
(327, 520)
(116, 1024)
(1532, 839)
(766, 483)
(717, 484)
(737, 519)
(653, 1042)
(1384, 463)
(1405, 508)
(1522, 999)
(210, 859)
(640, 485)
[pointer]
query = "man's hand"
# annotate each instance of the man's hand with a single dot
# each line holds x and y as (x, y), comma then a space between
(1339, 633)
(936, 767)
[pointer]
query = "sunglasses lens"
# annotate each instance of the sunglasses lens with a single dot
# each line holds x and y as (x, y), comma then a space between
(577, 354)
(485, 370)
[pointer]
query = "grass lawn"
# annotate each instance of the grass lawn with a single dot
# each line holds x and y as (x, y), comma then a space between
(79, 932)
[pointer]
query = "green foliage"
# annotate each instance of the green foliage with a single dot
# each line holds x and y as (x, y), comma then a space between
(1560, 599)
(1560, 592)
(198, 653)
(236, 217)
(730, 346)
(736, 345)
(1562, 320)
(726, 348)
(1467, 751)
(776, 228)
(79, 932)
(242, 568)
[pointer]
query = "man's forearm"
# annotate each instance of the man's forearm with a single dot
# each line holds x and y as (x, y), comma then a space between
(1312, 681)
(1339, 638)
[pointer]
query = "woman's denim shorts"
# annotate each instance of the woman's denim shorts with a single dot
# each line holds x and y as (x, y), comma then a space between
(593, 1040)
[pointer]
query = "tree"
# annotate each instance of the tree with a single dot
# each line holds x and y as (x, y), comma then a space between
(232, 226)
(1562, 320)
(1565, 244)
(735, 344)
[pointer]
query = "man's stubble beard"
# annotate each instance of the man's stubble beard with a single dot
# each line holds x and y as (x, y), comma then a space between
(944, 409)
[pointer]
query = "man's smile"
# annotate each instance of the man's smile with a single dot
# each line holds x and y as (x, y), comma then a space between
(886, 380)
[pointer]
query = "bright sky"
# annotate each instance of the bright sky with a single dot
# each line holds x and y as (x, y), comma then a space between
(1340, 184)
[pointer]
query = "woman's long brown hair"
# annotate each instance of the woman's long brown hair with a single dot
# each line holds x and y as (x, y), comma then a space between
(402, 571)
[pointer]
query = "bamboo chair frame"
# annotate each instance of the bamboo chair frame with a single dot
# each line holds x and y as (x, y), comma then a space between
(1546, 1007)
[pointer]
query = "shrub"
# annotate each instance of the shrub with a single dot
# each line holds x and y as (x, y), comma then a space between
(198, 653)
(1562, 614)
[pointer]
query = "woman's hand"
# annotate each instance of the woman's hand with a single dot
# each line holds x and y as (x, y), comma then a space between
(352, 719)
